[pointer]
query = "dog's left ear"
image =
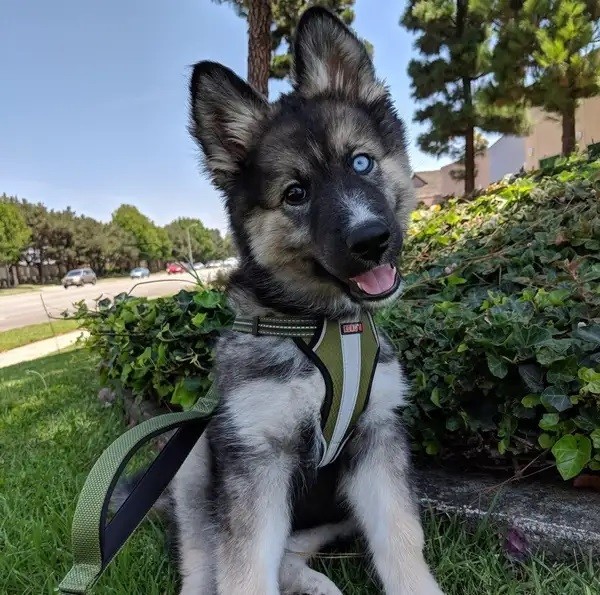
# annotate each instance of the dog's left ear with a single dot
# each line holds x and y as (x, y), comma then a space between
(330, 59)
(225, 118)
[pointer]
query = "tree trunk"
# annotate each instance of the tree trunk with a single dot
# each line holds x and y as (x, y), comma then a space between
(15, 275)
(568, 129)
(462, 9)
(469, 160)
(259, 45)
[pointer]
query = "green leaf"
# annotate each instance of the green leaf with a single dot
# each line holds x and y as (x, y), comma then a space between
(591, 379)
(187, 391)
(528, 336)
(546, 441)
(533, 376)
(558, 296)
(453, 423)
(432, 448)
(455, 280)
(199, 319)
(462, 348)
(549, 421)
(589, 333)
(497, 367)
(595, 436)
(572, 454)
(530, 401)
(435, 396)
(502, 446)
(555, 399)
(207, 299)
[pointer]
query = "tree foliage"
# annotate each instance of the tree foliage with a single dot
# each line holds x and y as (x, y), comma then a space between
(547, 55)
(454, 42)
(14, 233)
(206, 244)
(36, 235)
(150, 240)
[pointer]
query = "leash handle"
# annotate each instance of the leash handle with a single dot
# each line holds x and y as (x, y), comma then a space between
(96, 542)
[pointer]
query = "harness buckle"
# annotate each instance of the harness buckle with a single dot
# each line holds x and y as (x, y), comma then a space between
(255, 326)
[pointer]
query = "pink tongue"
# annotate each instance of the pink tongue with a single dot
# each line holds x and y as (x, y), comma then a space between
(377, 280)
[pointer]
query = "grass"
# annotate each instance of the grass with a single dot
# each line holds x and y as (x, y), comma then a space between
(52, 429)
(23, 288)
(35, 332)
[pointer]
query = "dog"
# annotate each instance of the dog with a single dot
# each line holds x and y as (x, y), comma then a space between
(318, 190)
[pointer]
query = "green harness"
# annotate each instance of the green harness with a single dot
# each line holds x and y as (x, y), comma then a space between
(346, 354)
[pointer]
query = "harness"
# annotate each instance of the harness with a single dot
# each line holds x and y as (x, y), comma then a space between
(344, 351)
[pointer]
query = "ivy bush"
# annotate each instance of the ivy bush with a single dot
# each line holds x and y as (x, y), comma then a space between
(499, 325)
(160, 349)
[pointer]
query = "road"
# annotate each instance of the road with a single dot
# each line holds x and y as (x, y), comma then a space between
(35, 306)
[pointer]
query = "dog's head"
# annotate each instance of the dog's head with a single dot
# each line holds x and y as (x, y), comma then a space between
(317, 185)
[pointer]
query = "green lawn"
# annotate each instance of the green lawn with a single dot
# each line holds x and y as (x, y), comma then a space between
(23, 288)
(52, 428)
(35, 332)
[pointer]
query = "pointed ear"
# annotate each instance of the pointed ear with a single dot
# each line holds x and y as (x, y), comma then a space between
(330, 59)
(225, 114)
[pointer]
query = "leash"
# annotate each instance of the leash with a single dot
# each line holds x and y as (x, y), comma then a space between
(345, 353)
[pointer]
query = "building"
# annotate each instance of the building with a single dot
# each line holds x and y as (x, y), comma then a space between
(427, 186)
(509, 154)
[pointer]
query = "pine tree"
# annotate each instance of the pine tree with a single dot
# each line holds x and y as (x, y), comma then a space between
(271, 26)
(546, 56)
(454, 41)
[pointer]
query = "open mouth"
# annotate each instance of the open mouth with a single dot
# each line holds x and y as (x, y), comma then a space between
(377, 283)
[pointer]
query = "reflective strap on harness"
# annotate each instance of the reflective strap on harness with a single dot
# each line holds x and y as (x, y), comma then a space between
(96, 542)
(276, 326)
(346, 353)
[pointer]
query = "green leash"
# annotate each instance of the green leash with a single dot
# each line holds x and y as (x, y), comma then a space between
(346, 354)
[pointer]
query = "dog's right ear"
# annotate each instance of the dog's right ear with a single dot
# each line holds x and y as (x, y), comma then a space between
(225, 114)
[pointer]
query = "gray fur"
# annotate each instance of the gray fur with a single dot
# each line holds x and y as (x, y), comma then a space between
(249, 495)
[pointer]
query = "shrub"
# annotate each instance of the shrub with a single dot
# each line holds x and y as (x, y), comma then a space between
(499, 326)
(159, 349)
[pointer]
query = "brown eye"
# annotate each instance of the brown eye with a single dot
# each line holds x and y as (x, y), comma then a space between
(295, 195)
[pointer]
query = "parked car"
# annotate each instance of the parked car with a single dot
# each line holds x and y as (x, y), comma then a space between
(79, 277)
(198, 266)
(232, 261)
(175, 267)
(139, 273)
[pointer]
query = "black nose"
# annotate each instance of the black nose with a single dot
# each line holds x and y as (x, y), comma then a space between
(369, 241)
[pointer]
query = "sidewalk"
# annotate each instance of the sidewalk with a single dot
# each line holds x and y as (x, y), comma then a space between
(39, 349)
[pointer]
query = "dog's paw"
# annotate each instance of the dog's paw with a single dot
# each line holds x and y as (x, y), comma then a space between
(321, 589)
(307, 581)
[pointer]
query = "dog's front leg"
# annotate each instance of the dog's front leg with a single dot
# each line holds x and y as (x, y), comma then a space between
(378, 491)
(253, 524)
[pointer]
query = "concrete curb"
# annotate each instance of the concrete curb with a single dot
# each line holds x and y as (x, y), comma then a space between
(552, 517)
(39, 349)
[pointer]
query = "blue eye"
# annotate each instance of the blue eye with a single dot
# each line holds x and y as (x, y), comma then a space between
(362, 164)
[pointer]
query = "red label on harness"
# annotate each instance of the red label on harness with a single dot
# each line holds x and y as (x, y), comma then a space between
(351, 328)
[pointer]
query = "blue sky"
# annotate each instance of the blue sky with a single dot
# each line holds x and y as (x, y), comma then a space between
(94, 99)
